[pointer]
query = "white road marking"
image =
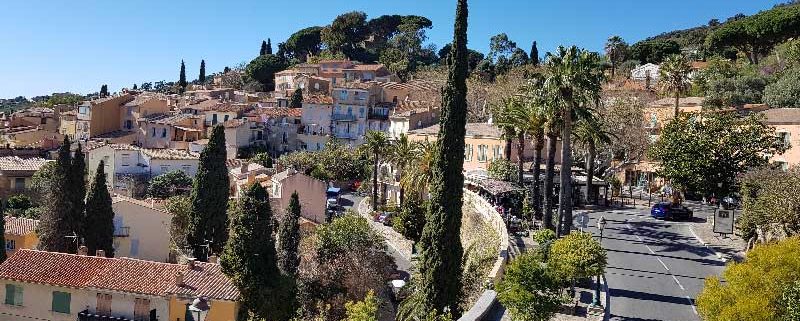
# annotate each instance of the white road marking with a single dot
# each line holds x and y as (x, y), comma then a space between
(679, 282)
(662, 263)
(691, 302)
(649, 249)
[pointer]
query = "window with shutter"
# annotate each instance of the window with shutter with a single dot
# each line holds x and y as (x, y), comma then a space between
(14, 294)
(61, 302)
(141, 309)
(104, 303)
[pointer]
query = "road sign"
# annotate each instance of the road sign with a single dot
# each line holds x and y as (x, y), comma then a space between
(723, 221)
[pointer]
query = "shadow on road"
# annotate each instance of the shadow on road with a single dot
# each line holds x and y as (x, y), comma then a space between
(638, 295)
(701, 261)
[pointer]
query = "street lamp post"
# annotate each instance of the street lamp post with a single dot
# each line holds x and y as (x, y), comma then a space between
(199, 308)
(601, 225)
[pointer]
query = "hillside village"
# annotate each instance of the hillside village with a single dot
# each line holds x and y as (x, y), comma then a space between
(302, 186)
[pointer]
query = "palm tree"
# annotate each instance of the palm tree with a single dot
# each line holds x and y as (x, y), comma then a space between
(376, 142)
(420, 172)
(536, 118)
(589, 133)
(615, 51)
(574, 80)
(510, 118)
(551, 131)
(402, 153)
(674, 73)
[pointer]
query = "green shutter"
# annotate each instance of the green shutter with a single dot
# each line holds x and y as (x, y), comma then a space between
(61, 302)
(10, 294)
(18, 295)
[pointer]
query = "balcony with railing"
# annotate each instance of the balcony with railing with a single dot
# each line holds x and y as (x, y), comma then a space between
(343, 117)
(85, 315)
(378, 115)
(122, 231)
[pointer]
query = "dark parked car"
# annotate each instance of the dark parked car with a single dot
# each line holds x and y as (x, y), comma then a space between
(669, 211)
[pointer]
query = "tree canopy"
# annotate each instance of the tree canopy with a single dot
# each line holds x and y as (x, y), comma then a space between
(653, 50)
(530, 290)
(755, 35)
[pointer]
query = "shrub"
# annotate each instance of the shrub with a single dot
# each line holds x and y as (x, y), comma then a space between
(530, 290)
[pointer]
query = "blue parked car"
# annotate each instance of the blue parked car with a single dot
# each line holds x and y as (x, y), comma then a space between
(669, 211)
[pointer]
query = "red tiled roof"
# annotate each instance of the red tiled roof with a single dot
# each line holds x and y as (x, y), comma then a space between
(318, 100)
(278, 112)
(118, 274)
(20, 226)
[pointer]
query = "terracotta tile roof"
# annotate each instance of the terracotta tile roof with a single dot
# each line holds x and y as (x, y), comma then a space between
(415, 85)
(356, 85)
(407, 108)
(366, 67)
(473, 129)
(16, 163)
(684, 101)
(20, 226)
(59, 269)
(233, 123)
(151, 203)
(276, 112)
(118, 274)
(318, 100)
(170, 154)
(167, 119)
(782, 116)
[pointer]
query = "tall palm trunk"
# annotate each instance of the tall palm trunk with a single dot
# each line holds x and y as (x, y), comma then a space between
(549, 174)
(565, 196)
(375, 183)
(590, 173)
(677, 103)
(520, 155)
(507, 151)
(537, 171)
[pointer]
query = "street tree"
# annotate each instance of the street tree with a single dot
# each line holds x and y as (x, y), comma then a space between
(208, 228)
(674, 78)
(706, 155)
(99, 221)
(591, 134)
(577, 255)
(250, 259)
(530, 290)
(376, 142)
(402, 153)
(440, 263)
(754, 287)
(289, 237)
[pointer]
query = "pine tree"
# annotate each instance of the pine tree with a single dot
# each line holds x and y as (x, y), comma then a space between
(297, 99)
(209, 222)
(54, 225)
(103, 90)
(249, 258)
(99, 220)
(534, 59)
(440, 263)
(182, 78)
(202, 77)
(289, 237)
(134, 87)
(263, 48)
(269, 46)
(77, 189)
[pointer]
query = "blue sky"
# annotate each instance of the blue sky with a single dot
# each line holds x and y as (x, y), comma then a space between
(58, 45)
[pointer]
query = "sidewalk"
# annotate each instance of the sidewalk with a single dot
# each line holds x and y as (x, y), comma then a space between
(393, 239)
(727, 247)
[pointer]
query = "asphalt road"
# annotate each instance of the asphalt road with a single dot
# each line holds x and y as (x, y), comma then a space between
(655, 268)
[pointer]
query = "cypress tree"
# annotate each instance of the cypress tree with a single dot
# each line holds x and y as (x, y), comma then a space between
(297, 99)
(209, 221)
(289, 237)
(182, 77)
(134, 87)
(77, 189)
(263, 48)
(103, 90)
(202, 77)
(3, 239)
(54, 225)
(269, 46)
(99, 220)
(534, 54)
(440, 263)
(249, 258)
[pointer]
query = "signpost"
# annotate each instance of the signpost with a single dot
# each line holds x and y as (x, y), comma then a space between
(723, 221)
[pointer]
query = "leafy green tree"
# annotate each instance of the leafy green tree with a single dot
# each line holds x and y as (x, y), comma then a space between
(674, 78)
(790, 302)
(250, 261)
(209, 222)
(654, 51)
(263, 48)
(99, 221)
(180, 207)
(530, 290)
(755, 35)
(297, 99)
(402, 153)
(706, 156)
(202, 77)
(503, 170)
(263, 159)
(577, 256)
(169, 184)
(365, 310)
(518, 57)
(752, 288)
(534, 55)
(289, 237)
(57, 222)
(263, 69)
(591, 134)
(500, 45)
(735, 90)
(307, 41)
(419, 173)
(411, 219)
(18, 204)
(376, 142)
(769, 199)
(616, 49)
(785, 92)
(182, 77)
(345, 34)
(440, 263)
(574, 82)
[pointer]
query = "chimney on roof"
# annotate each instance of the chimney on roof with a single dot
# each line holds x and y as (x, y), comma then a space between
(213, 259)
(83, 250)
(100, 253)
(190, 263)
(179, 279)
(243, 168)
